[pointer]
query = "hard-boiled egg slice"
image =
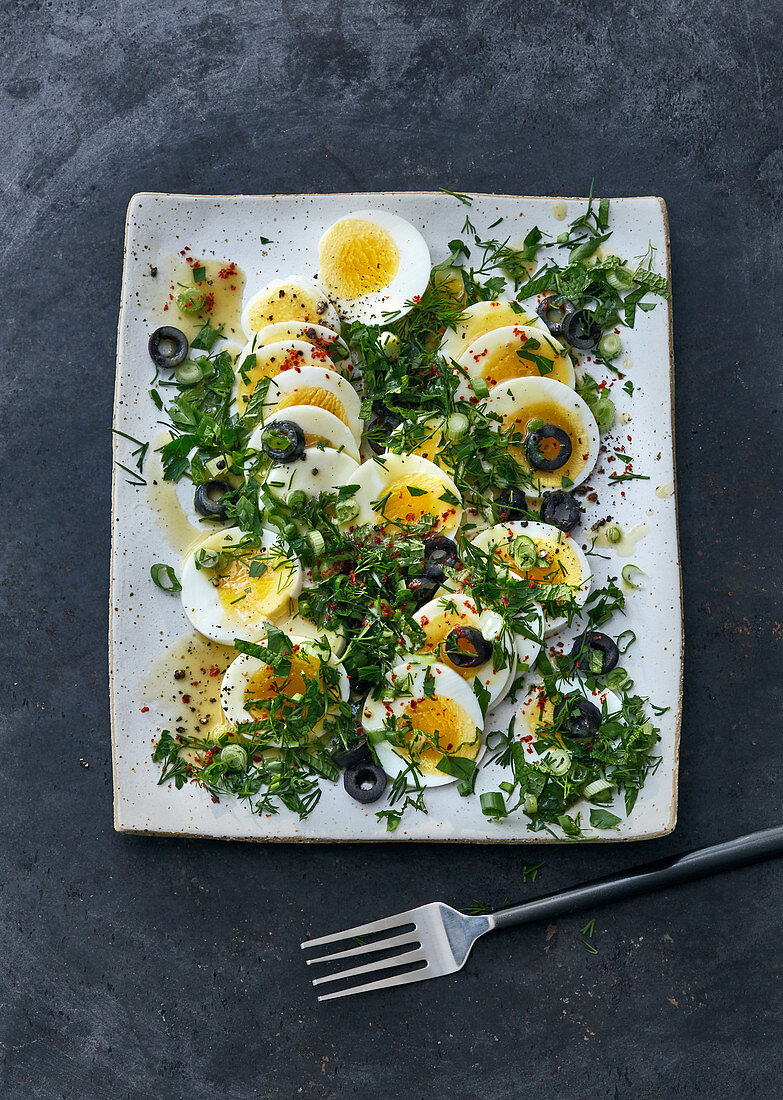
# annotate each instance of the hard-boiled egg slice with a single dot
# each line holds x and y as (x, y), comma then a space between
(397, 491)
(277, 693)
(436, 715)
(295, 298)
(534, 726)
(425, 438)
(478, 319)
(256, 363)
(232, 587)
(525, 404)
(317, 471)
(441, 616)
(373, 263)
(514, 352)
(321, 428)
(324, 340)
(560, 568)
(316, 386)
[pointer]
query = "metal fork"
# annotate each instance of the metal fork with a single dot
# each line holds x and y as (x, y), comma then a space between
(435, 939)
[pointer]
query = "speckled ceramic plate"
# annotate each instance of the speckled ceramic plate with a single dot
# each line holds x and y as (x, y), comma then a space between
(147, 625)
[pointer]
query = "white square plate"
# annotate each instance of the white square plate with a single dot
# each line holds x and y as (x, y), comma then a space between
(145, 622)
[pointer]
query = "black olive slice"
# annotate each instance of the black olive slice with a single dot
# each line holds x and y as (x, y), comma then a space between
(581, 718)
(168, 347)
(365, 782)
(441, 551)
(554, 310)
(208, 499)
(545, 456)
(283, 441)
(466, 647)
(512, 505)
(356, 752)
(380, 426)
(561, 510)
(423, 588)
(595, 641)
(581, 329)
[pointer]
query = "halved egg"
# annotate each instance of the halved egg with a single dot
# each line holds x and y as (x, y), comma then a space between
(373, 263)
(269, 361)
(436, 715)
(294, 298)
(316, 471)
(397, 491)
(514, 352)
(558, 435)
(317, 386)
(449, 616)
(535, 720)
(324, 340)
(478, 319)
(232, 587)
(541, 555)
(321, 428)
(255, 691)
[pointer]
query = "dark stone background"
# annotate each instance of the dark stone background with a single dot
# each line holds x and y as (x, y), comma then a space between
(135, 967)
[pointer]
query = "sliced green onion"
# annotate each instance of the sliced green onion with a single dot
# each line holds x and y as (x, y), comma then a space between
(389, 345)
(215, 467)
(188, 373)
(290, 532)
(604, 413)
(165, 577)
(523, 551)
(619, 278)
(297, 498)
(189, 300)
(629, 572)
(234, 756)
(317, 542)
(609, 346)
(622, 645)
(618, 679)
(206, 558)
(493, 804)
(456, 427)
(346, 510)
(479, 387)
(556, 761)
(530, 805)
(597, 787)
(614, 533)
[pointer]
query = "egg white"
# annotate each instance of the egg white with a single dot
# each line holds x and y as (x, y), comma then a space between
(478, 319)
(523, 396)
(409, 282)
(375, 476)
(448, 684)
(450, 611)
(270, 361)
(320, 428)
(544, 535)
(204, 607)
(322, 338)
(295, 298)
(317, 471)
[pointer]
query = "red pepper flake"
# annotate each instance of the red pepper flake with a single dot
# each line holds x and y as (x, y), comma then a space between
(227, 272)
(214, 670)
(144, 710)
(185, 698)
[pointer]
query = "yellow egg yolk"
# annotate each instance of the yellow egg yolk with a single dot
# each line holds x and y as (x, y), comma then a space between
(357, 257)
(249, 599)
(506, 362)
(401, 508)
(550, 412)
(265, 685)
(314, 395)
(287, 303)
(560, 566)
(438, 726)
(492, 315)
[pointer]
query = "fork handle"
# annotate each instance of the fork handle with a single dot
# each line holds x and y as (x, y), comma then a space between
(647, 877)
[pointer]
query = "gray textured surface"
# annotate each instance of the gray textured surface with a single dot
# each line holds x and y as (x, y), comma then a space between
(137, 968)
